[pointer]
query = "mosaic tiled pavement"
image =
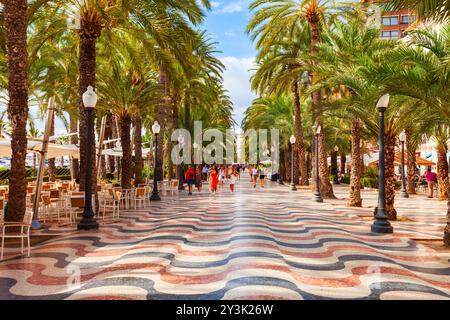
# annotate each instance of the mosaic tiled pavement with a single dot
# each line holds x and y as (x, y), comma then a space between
(266, 243)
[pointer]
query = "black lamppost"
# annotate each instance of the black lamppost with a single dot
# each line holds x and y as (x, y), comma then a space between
(179, 166)
(335, 165)
(316, 196)
(88, 221)
(403, 192)
(381, 223)
(292, 141)
(155, 196)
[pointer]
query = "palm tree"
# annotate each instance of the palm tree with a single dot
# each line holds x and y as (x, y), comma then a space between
(127, 87)
(15, 27)
(33, 132)
(435, 9)
(280, 69)
(275, 112)
(287, 15)
(340, 54)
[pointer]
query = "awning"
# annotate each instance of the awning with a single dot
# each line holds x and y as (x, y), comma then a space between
(54, 150)
(398, 160)
(117, 152)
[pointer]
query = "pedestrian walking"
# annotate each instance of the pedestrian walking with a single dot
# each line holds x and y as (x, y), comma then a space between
(198, 179)
(430, 176)
(205, 172)
(254, 175)
(214, 179)
(262, 175)
(189, 176)
(233, 178)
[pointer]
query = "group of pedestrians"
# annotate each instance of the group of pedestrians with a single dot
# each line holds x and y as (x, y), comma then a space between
(216, 176)
(257, 172)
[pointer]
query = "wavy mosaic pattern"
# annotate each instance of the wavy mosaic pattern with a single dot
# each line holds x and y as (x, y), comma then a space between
(256, 244)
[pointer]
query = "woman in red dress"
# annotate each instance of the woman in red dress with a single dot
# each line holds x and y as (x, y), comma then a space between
(214, 178)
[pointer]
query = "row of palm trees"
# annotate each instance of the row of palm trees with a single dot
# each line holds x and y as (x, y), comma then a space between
(323, 63)
(147, 60)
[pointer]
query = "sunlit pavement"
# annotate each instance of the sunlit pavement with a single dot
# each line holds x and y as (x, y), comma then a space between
(269, 243)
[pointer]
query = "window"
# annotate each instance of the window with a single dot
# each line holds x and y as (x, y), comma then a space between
(390, 21)
(394, 34)
(405, 20)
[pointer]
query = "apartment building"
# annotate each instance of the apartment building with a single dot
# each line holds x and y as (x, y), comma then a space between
(392, 23)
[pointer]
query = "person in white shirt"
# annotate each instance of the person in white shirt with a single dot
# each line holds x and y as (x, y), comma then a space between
(254, 175)
(233, 178)
(262, 175)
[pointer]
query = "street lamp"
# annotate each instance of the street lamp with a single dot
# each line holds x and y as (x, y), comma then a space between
(88, 220)
(403, 192)
(381, 223)
(155, 196)
(316, 196)
(336, 171)
(292, 140)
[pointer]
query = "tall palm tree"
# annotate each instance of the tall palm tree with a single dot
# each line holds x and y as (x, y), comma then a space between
(424, 77)
(286, 15)
(15, 27)
(275, 112)
(127, 87)
(342, 50)
(280, 69)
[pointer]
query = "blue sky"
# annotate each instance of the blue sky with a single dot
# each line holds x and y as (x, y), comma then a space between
(226, 23)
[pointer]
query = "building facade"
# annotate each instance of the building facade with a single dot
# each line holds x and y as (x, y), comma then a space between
(393, 24)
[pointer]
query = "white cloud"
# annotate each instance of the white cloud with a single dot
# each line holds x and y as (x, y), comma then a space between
(215, 4)
(229, 34)
(232, 7)
(237, 82)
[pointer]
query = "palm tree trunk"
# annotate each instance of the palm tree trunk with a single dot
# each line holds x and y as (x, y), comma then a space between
(88, 33)
(162, 104)
(176, 119)
(169, 141)
(74, 165)
(138, 162)
(442, 172)
(411, 162)
(362, 166)
(125, 126)
(389, 158)
(343, 160)
(282, 164)
(108, 135)
(299, 157)
(287, 164)
(113, 166)
(187, 114)
(447, 227)
(15, 24)
(51, 162)
(355, 177)
(326, 189)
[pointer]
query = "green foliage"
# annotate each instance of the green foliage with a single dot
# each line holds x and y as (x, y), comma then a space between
(371, 172)
(345, 180)
(368, 182)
